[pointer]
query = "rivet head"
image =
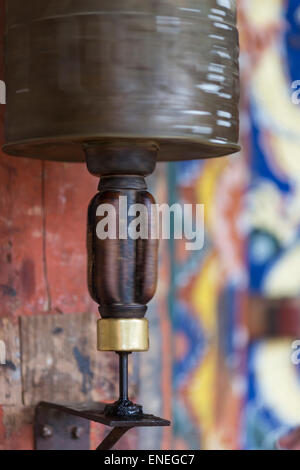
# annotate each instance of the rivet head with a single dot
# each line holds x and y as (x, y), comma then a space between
(76, 432)
(47, 431)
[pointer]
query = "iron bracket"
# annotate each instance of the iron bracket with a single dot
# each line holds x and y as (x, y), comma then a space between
(60, 426)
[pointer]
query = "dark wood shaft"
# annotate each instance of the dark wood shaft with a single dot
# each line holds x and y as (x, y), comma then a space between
(122, 272)
(122, 265)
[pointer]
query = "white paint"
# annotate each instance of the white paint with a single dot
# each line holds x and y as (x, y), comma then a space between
(2, 353)
(49, 361)
(35, 211)
(37, 234)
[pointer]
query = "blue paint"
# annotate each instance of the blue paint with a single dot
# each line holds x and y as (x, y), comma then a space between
(258, 161)
(260, 421)
(291, 39)
(258, 270)
(188, 325)
(10, 365)
(84, 366)
(8, 290)
(57, 331)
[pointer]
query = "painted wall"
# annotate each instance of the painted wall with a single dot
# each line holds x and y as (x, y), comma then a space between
(234, 305)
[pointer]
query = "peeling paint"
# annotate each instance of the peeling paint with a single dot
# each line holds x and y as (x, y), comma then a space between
(8, 290)
(57, 331)
(84, 367)
(10, 365)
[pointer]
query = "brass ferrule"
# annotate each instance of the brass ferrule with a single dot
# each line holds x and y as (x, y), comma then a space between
(122, 334)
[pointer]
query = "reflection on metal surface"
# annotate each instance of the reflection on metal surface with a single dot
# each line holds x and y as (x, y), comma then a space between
(130, 334)
(140, 70)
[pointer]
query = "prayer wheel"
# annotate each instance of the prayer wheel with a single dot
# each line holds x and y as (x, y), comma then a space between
(134, 70)
(121, 85)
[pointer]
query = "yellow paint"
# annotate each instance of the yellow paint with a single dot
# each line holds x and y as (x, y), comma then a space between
(262, 13)
(201, 391)
(204, 296)
(284, 278)
(278, 380)
(201, 394)
(272, 94)
(206, 188)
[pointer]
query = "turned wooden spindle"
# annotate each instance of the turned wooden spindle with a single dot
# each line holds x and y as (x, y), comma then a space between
(122, 271)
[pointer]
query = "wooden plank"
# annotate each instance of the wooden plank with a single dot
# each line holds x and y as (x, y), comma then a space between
(68, 191)
(16, 430)
(22, 283)
(10, 372)
(60, 362)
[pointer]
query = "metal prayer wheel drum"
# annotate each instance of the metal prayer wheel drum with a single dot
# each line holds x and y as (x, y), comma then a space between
(135, 70)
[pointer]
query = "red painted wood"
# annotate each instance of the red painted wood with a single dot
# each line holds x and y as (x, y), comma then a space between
(43, 211)
(16, 430)
(68, 190)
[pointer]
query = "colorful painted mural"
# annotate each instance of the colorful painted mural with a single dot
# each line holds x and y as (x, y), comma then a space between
(234, 382)
(207, 308)
(272, 32)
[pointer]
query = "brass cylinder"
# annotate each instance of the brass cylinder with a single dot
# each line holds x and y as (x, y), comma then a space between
(123, 334)
(140, 70)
